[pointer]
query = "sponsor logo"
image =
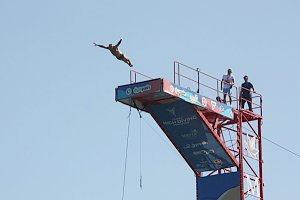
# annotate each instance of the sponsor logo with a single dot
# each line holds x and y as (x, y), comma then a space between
(203, 152)
(180, 121)
(194, 99)
(171, 88)
(172, 111)
(195, 145)
(191, 135)
(204, 101)
(128, 91)
(213, 105)
(179, 92)
(218, 162)
(137, 90)
(141, 89)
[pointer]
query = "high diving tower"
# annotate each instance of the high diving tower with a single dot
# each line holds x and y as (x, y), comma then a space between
(220, 143)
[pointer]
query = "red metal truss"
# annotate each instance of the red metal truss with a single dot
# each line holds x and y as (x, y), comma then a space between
(240, 136)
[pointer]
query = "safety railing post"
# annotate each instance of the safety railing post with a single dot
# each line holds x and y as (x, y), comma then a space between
(174, 72)
(198, 89)
(130, 76)
(178, 72)
(218, 88)
(261, 112)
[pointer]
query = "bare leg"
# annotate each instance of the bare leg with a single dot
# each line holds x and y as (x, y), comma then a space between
(225, 98)
(230, 99)
(127, 60)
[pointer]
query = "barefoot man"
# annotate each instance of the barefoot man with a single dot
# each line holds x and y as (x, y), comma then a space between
(116, 52)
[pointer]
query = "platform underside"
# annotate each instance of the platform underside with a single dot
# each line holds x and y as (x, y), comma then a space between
(181, 115)
(188, 119)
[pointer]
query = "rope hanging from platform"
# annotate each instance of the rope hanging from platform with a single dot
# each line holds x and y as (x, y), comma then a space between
(126, 153)
(139, 112)
(141, 177)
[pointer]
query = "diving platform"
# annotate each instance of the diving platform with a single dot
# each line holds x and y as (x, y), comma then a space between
(222, 144)
(180, 113)
(142, 94)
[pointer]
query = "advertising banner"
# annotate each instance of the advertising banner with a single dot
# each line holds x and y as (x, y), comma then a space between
(138, 89)
(219, 187)
(197, 99)
(191, 136)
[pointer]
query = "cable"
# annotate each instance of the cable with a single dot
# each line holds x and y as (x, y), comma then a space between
(126, 152)
(141, 178)
(160, 136)
(276, 144)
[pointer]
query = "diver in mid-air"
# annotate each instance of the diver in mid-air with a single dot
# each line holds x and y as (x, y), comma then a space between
(116, 52)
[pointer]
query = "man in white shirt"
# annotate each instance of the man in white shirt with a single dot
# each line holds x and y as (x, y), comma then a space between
(228, 81)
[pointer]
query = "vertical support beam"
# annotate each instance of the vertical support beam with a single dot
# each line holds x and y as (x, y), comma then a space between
(261, 188)
(237, 97)
(219, 134)
(241, 154)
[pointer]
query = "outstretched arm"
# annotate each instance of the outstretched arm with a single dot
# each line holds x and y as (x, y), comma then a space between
(99, 45)
(119, 42)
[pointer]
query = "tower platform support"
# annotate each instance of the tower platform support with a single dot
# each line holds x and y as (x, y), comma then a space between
(220, 143)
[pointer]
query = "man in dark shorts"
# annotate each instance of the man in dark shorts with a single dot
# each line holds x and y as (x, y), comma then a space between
(246, 93)
(116, 52)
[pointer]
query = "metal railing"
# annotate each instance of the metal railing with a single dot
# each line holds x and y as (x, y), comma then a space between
(253, 96)
(204, 81)
(134, 75)
(215, 86)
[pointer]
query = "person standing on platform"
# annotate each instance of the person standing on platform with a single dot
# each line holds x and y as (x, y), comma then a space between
(116, 52)
(246, 93)
(226, 84)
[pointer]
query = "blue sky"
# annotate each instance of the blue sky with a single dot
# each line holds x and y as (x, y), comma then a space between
(63, 136)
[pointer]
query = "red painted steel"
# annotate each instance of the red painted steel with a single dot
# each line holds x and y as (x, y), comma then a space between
(260, 159)
(224, 129)
(216, 136)
(242, 118)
